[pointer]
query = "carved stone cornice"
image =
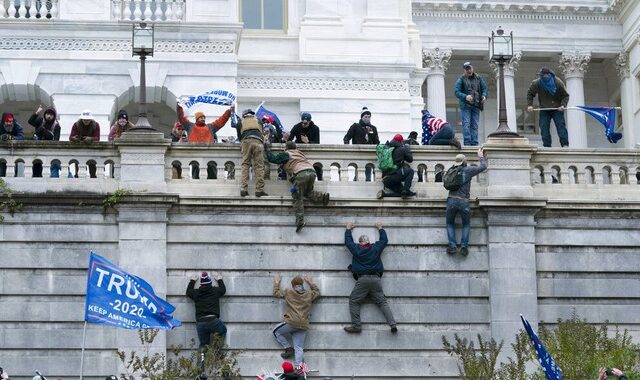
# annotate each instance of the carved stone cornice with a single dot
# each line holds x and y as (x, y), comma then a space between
(574, 65)
(622, 65)
(436, 60)
(165, 46)
(510, 67)
(322, 84)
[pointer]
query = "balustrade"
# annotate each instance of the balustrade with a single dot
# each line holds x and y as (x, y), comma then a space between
(29, 9)
(148, 10)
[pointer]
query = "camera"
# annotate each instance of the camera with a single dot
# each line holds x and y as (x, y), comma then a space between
(608, 372)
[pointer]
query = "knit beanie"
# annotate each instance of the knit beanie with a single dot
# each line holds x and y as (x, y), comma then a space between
(8, 118)
(297, 280)
(205, 279)
(398, 138)
(123, 114)
(199, 114)
(287, 367)
(365, 111)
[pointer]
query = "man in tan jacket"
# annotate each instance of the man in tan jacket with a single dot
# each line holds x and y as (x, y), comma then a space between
(296, 315)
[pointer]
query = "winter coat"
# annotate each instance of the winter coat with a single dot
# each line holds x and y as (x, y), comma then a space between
(207, 298)
(366, 260)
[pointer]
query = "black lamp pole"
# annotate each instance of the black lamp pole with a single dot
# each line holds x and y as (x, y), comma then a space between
(503, 127)
(143, 122)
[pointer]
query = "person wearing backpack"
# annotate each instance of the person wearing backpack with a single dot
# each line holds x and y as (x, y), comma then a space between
(399, 176)
(458, 181)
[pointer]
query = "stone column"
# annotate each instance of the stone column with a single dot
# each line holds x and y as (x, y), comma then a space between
(418, 76)
(436, 61)
(321, 12)
(626, 101)
(574, 66)
(142, 157)
(509, 89)
(510, 208)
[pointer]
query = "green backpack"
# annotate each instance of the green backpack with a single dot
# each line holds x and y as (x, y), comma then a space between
(384, 153)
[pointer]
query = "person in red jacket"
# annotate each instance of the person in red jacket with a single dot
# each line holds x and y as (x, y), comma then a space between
(200, 131)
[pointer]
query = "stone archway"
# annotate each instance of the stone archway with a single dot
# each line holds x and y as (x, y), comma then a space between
(161, 111)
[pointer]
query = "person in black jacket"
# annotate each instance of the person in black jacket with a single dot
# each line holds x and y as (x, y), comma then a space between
(305, 132)
(363, 132)
(207, 299)
(47, 127)
(398, 180)
(605, 373)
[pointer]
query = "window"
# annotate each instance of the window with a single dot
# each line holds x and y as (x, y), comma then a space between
(453, 117)
(527, 121)
(263, 14)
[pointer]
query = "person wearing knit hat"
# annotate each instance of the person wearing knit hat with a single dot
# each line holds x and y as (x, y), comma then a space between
(207, 301)
(552, 94)
(363, 132)
(436, 131)
(86, 129)
(10, 129)
(471, 91)
(47, 127)
(412, 139)
(298, 301)
(200, 131)
(458, 203)
(289, 373)
(399, 179)
(121, 125)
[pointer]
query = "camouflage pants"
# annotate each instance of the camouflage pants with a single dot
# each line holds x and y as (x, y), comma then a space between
(304, 184)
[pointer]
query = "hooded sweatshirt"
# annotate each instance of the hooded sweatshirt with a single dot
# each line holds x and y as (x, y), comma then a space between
(298, 305)
(45, 130)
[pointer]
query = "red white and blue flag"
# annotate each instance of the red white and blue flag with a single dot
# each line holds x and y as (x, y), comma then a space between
(606, 116)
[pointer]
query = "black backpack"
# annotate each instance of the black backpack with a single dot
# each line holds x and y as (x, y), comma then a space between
(453, 178)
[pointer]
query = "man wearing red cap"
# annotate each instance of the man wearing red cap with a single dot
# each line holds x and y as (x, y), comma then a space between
(10, 129)
(207, 299)
(201, 131)
(398, 180)
(288, 372)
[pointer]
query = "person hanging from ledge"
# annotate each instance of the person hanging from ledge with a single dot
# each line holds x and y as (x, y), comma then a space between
(121, 125)
(552, 94)
(302, 174)
(47, 127)
(399, 176)
(207, 300)
(10, 129)
(200, 131)
(367, 269)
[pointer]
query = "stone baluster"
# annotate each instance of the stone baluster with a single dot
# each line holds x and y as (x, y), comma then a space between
(53, 12)
(626, 101)
(179, 10)
(157, 14)
(147, 10)
(437, 61)
(3, 10)
(574, 66)
(116, 10)
(127, 10)
(203, 171)
(12, 9)
(509, 72)
(137, 11)
(22, 10)
(168, 13)
(38, 6)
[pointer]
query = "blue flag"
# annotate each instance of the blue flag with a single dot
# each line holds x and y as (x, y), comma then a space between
(117, 298)
(551, 370)
(262, 112)
(606, 116)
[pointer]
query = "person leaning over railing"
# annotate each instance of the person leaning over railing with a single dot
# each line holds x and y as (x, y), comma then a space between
(10, 129)
(121, 125)
(86, 129)
(47, 127)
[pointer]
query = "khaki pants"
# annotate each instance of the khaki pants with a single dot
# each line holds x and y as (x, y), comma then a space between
(304, 184)
(252, 155)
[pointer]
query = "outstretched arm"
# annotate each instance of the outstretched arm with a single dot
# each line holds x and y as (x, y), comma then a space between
(277, 292)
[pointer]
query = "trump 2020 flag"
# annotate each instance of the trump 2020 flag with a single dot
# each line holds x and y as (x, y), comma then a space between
(117, 298)
(551, 370)
(606, 116)
(261, 112)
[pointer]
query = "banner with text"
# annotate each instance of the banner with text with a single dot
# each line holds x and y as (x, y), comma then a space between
(117, 298)
(215, 97)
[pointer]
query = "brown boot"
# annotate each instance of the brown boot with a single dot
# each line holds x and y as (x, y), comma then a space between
(288, 353)
(454, 142)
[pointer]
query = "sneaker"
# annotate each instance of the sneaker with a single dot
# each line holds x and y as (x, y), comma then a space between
(353, 329)
(261, 194)
(452, 250)
(380, 194)
(325, 199)
(244, 193)
(300, 226)
(464, 251)
(288, 353)
(455, 142)
(394, 329)
(407, 194)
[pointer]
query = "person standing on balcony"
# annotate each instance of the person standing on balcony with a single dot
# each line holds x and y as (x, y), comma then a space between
(436, 131)
(306, 132)
(86, 129)
(367, 269)
(297, 310)
(363, 132)
(251, 146)
(302, 174)
(458, 203)
(121, 125)
(553, 94)
(398, 180)
(10, 129)
(200, 131)
(207, 300)
(471, 91)
(47, 127)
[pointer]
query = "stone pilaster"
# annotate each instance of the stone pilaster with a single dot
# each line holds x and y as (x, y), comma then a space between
(436, 61)
(574, 66)
(418, 76)
(626, 100)
(142, 161)
(509, 88)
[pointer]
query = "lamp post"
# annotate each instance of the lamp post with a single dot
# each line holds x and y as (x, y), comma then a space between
(142, 45)
(500, 51)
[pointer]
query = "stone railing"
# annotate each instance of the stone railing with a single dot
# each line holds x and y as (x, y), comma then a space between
(29, 10)
(148, 10)
(191, 169)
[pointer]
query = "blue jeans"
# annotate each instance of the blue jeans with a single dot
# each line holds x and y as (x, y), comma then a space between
(457, 206)
(470, 117)
(205, 329)
(545, 125)
(443, 136)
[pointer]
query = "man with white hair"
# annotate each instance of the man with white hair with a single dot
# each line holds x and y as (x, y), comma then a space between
(366, 267)
(458, 203)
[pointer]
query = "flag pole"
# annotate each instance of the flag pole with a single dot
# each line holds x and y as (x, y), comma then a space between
(568, 108)
(84, 339)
